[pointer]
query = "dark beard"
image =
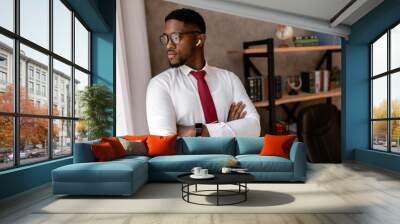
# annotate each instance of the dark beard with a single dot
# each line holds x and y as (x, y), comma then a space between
(180, 63)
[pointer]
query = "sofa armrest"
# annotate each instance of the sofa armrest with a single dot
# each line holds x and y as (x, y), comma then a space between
(83, 152)
(298, 157)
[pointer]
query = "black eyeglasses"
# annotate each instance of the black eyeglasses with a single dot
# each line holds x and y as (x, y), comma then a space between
(175, 37)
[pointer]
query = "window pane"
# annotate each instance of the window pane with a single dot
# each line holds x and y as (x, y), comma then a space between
(62, 29)
(395, 47)
(7, 14)
(81, 131)
(62, 138)
(81, 45)
(34, 81)
(395, 95)
(6, 142)
(379, 135)
(35, 21)
(33, 140)
(395, 132)
(379, 55)
(379, 98)
(6, 74)
(62, 89)
(81, 81)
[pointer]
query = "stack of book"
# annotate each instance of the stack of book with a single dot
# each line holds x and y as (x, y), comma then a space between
(315, 82)
(258, 88)
(303, 41)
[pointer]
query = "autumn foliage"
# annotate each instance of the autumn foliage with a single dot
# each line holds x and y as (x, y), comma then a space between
(33, 131)
(379, 128)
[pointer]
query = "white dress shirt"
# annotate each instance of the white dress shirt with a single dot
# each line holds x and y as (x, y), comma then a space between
(172, 98)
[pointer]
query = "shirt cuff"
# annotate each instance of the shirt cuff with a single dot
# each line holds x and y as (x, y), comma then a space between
(220, 129)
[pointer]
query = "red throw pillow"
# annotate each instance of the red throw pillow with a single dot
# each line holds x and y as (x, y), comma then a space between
(103, 151)
(161, 145)
(277, 145)
(136, 137)
(116, 145)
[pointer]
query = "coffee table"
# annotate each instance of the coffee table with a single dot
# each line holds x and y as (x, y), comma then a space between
(238, 179)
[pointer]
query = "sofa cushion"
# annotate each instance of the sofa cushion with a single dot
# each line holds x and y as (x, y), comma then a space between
(103, 152)
(257, 163)
(277, 145)
(131, 158)
(116, 145)
(206, 145)
(161, 145)
(249, 145)
(120, 170)
(134, 147)
(136, 137)
(185, 163)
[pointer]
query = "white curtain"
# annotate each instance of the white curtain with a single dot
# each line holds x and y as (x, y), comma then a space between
(133, 68)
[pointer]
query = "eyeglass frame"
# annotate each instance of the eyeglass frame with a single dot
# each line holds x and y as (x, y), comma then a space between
(179, 36)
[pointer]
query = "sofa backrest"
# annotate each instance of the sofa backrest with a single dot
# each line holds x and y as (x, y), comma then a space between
(206, 145)
(190, 146)
(249, 145)
(83, 152)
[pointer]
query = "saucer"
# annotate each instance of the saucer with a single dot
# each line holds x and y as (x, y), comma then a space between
(208, 176)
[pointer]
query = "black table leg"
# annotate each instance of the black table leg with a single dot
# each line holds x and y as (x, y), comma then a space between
(217, 194)
(188, 190)
(245, 193)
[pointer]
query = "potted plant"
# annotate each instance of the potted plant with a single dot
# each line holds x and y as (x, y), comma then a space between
(96, 103)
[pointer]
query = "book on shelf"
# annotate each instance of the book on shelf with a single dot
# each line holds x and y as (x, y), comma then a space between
(315, 81)
(258, 88)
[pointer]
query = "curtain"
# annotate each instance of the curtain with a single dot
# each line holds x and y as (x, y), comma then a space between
(133, 68)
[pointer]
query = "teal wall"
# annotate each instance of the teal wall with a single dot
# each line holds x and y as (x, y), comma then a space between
(103, 51)
(355, 97)
(99, 16)
(24, 178)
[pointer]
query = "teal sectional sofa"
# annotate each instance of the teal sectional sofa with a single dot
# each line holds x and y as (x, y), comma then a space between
(125, 176)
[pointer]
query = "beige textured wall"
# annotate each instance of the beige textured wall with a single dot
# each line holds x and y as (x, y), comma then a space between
(227, 32)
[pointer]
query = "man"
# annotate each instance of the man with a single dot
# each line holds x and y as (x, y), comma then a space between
(192, 98)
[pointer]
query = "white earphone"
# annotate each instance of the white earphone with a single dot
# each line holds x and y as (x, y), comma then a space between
(198, 43)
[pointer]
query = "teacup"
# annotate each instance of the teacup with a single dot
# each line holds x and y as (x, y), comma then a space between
(196, 170)
(226, 170)
(203, 172)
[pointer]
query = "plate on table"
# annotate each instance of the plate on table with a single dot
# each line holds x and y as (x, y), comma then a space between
(208, 176)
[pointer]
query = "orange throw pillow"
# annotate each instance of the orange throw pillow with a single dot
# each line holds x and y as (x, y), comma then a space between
(161, 145)
(136, 137)
(277, 145)
(116, 145)
(103, 152)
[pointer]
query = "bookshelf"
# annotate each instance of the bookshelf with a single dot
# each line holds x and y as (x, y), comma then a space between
(251, 49)
(286, 49)
(301, 97)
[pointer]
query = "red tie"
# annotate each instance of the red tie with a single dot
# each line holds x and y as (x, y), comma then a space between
(206, 99)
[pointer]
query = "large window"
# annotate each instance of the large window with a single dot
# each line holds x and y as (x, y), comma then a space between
(44, 64)
(385, 91)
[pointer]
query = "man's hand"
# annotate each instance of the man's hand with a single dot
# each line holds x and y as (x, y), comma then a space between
(190, 131)
(186, 131)
(236, 111)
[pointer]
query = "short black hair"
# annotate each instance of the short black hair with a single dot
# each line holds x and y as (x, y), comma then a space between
(188, 16)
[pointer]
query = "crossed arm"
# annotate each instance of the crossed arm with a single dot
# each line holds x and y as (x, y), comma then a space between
(236, 112)
(243, 119)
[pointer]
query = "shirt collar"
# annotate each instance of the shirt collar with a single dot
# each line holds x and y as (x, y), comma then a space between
(186, 69)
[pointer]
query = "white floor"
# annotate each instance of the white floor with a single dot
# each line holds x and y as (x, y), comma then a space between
(377, 188)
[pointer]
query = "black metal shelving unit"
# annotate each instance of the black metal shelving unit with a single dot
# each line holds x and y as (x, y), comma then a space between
(249, 66)
(269, 54)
